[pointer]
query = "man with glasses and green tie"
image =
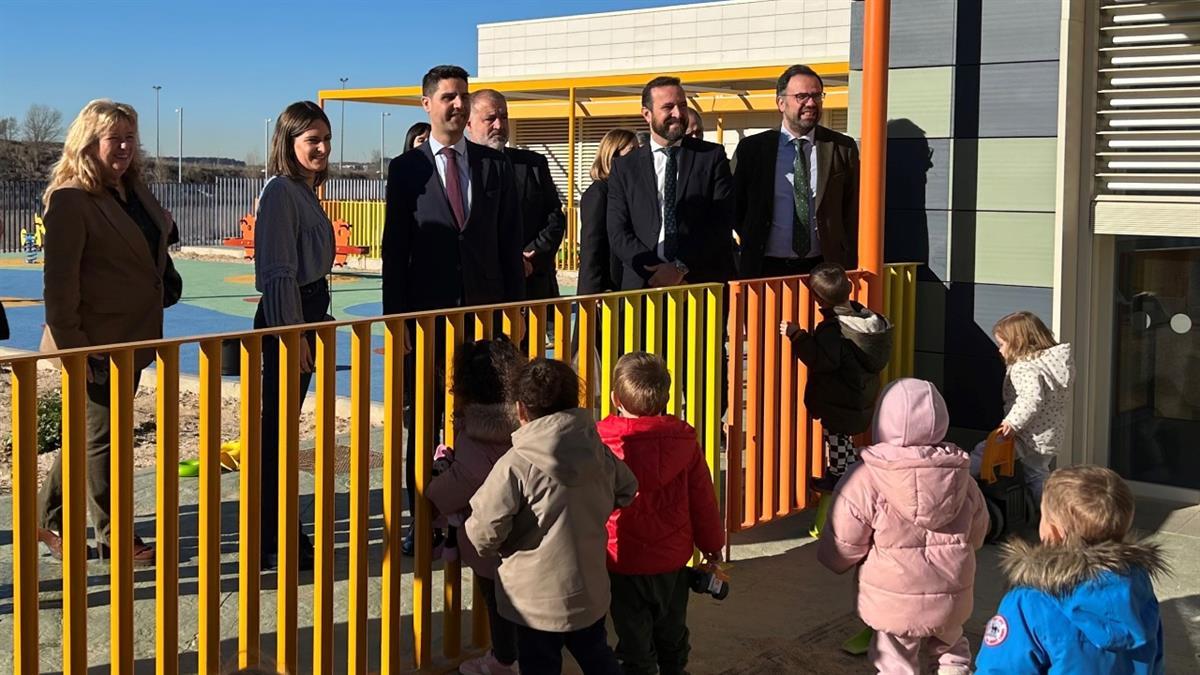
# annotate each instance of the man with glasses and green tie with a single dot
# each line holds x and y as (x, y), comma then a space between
(796, 187)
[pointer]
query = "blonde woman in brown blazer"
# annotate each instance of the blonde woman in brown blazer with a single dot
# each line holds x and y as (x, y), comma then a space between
(105, 253)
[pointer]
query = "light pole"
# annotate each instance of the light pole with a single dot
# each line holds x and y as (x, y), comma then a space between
(382, 145)
(266, 146)
(342, 133)
(157, 137)
(180, 111)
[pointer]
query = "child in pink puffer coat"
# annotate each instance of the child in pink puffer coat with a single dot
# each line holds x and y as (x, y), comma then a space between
(911, 514)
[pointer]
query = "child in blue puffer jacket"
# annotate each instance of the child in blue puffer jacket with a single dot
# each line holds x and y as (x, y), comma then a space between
(1082, 601)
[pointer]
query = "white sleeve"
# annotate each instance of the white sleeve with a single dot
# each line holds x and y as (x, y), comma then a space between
(1028, 387)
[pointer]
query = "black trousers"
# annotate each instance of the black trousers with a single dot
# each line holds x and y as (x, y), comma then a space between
(649, 614)
(541, 651)
(314, 300)
(410, 405)
(786, 267)
(503, 631)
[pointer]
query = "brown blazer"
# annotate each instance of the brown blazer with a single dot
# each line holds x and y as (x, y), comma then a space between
(101, 287)
(836, 197)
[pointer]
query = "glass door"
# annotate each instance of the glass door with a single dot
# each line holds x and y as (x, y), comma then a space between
(1155, 429)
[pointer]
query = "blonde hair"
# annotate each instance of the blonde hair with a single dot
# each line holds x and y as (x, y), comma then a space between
(1025, 335)
(296, 119)
(642, 383)
(1091, 504)
(78, 163)
(612, 144)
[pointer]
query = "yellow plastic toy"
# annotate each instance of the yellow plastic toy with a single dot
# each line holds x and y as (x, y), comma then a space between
(231, 455)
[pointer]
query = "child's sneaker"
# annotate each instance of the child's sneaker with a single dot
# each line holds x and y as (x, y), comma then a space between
(487, 665)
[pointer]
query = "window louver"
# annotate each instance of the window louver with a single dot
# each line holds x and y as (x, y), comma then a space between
(1149, 99)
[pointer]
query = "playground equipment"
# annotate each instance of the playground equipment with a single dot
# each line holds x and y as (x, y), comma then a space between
(341, 238)
(1005, 492)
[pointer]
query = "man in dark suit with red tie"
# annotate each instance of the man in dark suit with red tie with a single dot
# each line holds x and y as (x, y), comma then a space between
(796, 187)
(670, 202)
(452, 230)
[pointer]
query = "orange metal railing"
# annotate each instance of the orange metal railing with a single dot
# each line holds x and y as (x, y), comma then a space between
(773, 445)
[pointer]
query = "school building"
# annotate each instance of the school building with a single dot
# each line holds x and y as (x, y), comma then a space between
(1042, 155)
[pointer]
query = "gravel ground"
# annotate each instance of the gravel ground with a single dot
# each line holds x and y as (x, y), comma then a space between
(144, 426)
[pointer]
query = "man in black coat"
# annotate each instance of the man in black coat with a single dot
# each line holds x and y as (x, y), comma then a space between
(452, 229)
(451, 234)
(788, 226)
(542, 217)
(670, 202)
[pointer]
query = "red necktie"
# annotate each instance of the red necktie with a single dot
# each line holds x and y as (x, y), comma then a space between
(453, 186)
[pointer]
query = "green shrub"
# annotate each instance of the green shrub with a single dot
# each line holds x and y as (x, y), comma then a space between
(49, 426)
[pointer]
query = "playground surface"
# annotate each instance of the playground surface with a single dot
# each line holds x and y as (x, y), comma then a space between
(218, 297)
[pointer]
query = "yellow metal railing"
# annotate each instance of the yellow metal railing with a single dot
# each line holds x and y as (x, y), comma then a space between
(683, 324)
(366, 222)
(366, 229)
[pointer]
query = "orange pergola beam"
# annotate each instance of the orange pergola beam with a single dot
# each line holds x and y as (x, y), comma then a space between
(873, 157)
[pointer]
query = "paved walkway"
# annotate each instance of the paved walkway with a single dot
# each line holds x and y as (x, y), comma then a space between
(786, 614)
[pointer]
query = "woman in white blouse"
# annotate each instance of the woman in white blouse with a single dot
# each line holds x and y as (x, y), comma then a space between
(293, 255)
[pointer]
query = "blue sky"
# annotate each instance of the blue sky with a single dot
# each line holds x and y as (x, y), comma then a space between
(231, 65)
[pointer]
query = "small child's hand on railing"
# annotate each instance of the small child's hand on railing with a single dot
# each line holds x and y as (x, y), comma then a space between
(789, 330)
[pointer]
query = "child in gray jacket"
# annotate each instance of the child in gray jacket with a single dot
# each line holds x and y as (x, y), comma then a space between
(544, 510)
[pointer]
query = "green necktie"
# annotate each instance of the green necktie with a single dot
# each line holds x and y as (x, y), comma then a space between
(670, 226)
(801, 242)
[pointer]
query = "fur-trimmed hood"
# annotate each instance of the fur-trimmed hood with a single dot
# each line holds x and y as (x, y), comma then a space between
(1104, 591)
(1059, 569)
(487, 423)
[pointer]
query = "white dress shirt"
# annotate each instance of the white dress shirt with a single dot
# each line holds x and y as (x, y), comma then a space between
(464, 168)
(779, 239)
(660, 172)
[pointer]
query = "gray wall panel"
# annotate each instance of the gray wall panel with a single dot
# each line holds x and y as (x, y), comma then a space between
(929, 366)
(1020, 30)
(856, 30)
(1018, 99)
(918, 171)
(931, 317)
(993, 301)
(918, 236)
(922, 33)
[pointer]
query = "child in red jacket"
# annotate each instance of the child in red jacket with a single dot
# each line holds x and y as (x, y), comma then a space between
(651, 541)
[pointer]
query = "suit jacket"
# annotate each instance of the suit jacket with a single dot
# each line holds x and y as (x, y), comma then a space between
(836, 198)
(102, 285)
(599, 269)
(704, 213)
(542, 219)
(427, 262)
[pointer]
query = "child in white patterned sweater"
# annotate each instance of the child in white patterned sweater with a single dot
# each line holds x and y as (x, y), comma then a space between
(1037, 396)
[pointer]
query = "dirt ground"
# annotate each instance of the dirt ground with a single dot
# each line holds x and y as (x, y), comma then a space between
(144, 426)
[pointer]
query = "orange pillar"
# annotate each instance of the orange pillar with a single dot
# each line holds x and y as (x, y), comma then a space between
(876, 22)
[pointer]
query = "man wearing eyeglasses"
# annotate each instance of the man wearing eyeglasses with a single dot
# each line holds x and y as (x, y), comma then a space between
(796, 188)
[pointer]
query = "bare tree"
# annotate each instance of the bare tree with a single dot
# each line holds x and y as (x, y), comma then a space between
(42, 124)
(8, 128)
